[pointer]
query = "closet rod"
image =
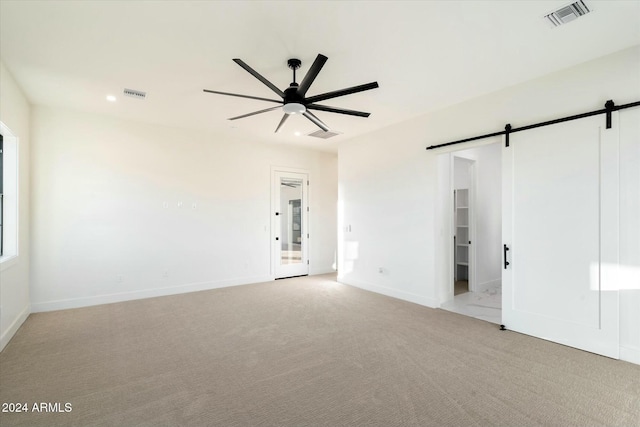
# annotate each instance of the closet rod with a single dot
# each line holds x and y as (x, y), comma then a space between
(609, 108)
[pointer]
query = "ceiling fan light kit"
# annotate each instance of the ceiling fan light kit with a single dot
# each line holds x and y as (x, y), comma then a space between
(294, 108)
(294, 99)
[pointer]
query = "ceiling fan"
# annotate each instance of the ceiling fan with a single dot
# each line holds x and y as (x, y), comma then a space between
(294, 99)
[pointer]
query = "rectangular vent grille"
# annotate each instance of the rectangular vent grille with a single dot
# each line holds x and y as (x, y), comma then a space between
(135, 93)
(322, 134)
(568, 13)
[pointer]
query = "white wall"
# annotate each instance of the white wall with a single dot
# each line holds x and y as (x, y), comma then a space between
(113, 214)
(14, 275)
(385, 216)
(388, 182)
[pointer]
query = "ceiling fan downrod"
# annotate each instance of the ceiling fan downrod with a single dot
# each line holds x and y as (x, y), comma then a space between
(294, 64)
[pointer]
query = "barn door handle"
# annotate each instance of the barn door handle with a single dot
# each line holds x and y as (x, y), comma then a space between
(506, 263)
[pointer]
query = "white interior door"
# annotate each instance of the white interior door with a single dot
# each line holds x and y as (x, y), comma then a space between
(560, 224)
(290, 224)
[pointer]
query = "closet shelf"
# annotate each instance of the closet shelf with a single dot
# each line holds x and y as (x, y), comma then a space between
(462, 217)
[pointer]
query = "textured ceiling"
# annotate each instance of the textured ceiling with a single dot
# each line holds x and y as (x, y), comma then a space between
(425, 56)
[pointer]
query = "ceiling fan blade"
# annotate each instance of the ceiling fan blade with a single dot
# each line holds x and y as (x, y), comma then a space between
(241, 96)
(312, 74)
(258, 76)
(309, 115)
(284, 119)
(341, 92)
(337, 110)
(255, 112)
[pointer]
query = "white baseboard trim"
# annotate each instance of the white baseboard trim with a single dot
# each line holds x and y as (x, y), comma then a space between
(629, 354)
(13, 328)
(391, 292)
(142, 294)
(481, 287)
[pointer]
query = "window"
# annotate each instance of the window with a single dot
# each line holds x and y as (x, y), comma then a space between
(8, 196)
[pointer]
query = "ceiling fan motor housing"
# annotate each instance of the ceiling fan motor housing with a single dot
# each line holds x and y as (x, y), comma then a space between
(293, 101)
(291, 94)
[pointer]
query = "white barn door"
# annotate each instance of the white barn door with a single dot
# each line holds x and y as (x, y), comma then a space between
(560, 225)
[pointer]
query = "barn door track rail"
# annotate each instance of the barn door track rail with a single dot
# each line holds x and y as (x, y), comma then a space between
(609, 107)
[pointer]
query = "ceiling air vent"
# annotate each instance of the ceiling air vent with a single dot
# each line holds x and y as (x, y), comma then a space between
(322, 134)
(568, 13)
(135, 93)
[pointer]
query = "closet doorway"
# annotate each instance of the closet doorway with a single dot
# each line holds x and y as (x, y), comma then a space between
(463, 174)
(474, 220)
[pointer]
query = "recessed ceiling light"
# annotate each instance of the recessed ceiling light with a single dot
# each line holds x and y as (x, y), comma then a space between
(297, 133)
(111, 98)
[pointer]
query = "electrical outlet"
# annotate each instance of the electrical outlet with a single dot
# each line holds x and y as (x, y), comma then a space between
(165, 205)
(119, 279)
(194, 205)
(180, 204)
(165, 273)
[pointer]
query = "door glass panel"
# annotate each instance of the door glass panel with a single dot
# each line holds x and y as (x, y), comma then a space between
(291, 220)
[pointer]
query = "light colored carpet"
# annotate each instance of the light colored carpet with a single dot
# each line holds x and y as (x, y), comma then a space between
(302, 352)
